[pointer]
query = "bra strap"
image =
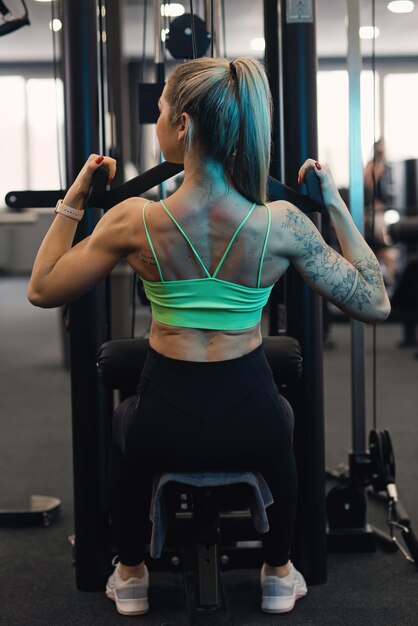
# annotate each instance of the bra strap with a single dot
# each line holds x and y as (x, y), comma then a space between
(234, 236)
(260, 269)
(149, 240)
(186, 238)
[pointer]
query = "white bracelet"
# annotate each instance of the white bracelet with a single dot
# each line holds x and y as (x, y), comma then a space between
(74, 214)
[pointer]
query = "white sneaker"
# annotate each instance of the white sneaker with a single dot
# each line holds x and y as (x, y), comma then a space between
(130, 596)
(280, 594)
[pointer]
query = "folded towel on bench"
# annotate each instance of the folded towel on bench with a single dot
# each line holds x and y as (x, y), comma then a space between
(261, 497)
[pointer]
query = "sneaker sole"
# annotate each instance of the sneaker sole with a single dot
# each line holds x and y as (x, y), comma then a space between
(129, 607)
(273, 605)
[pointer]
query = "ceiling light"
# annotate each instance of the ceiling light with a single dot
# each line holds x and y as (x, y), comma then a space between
(369, 32)
(258, 43)
(172, 10)
(55, 25)
(391, 216)
(401, 6)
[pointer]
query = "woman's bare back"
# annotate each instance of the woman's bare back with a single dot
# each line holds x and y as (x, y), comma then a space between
(210, 227)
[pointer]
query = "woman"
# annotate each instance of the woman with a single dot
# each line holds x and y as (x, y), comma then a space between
(377, 177)
(208, 256)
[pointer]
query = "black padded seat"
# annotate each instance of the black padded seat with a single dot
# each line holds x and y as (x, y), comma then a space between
(208, 519)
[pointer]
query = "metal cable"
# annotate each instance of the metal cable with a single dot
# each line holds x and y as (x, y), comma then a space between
(374, 334)
(144, 42)
(211, 30)
(224, 28)
(193, 30)
(55, 70)
(133, 318)
(138, 151)
(141, 80)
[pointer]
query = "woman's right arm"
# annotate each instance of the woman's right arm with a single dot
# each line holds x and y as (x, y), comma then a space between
(352, 281)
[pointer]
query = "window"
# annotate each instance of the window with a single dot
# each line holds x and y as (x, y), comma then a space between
(13, 162)
(31, 133)
(45, 132)
(333, 120)
(401, 121)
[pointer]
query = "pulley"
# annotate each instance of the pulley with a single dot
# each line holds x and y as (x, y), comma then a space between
(179, 38)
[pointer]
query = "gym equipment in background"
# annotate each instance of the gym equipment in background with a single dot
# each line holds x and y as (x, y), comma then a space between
(187, 37)
(10, 23)
(42, 511)
(348, 530)
(346, 503)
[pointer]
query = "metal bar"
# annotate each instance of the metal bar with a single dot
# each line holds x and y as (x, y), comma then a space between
(99, 197)
(354, 66)
(208, 588)
(158, 43)
(273, 61)
(304, 307)
(209, 24)
(87, 319)
(208, 15)
(218, 49)
(357, 210)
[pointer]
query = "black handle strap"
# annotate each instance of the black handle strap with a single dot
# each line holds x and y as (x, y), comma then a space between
(10, 27)
(99, 197)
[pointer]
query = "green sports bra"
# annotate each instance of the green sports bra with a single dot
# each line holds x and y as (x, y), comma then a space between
(208, 303)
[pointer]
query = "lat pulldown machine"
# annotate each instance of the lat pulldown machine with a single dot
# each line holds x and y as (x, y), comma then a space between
(83, 90)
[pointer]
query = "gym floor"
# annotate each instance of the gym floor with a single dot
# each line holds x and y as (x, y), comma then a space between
(37, 584)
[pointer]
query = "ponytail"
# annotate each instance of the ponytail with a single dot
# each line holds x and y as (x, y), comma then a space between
(252, 160)
(229, 105)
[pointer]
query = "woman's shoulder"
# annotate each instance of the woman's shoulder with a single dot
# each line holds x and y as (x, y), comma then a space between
(282, 209)
(289, 225)
(131, 208)
(125, 218)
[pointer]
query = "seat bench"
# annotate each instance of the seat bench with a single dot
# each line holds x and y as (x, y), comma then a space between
(205, 524)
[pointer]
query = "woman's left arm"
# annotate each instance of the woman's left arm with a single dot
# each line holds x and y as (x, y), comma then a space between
(61, 273)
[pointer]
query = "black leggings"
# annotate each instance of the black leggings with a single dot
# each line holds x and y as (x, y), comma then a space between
(223, 415)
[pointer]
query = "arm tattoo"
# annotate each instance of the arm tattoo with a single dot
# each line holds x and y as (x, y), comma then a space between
(147, 257)
(369, 268)
(360, 295)
(347, 285)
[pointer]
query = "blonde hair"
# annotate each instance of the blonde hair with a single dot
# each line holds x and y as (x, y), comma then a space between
(229, 105)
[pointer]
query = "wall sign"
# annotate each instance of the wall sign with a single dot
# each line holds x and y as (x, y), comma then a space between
(298, 11)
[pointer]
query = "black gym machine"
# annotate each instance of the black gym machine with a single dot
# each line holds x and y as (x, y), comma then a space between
(90, 328)
(84, 86)
(84, 92)
(345, 505)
